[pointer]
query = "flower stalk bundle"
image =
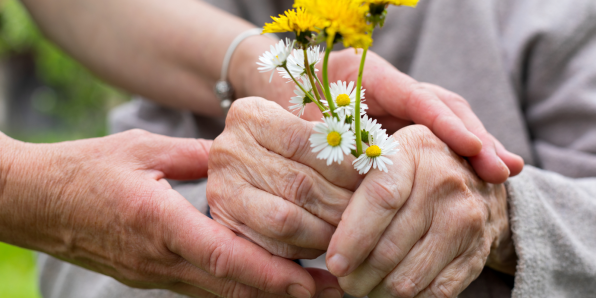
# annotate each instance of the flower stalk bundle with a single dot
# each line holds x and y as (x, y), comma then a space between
(346, 128)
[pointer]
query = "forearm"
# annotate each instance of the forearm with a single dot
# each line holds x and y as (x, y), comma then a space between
(169, 52)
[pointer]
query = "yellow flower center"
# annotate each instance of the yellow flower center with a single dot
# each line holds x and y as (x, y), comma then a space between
(343, 100)
(334, 138)
(373, 151)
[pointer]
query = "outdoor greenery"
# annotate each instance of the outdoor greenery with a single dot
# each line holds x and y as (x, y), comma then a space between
(74, 97)
(17, 273)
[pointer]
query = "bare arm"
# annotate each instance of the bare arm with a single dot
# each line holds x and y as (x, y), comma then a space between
(158, 49)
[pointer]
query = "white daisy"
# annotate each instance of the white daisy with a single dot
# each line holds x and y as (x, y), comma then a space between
(344, 97)
(301, 99)
(276, 57)
(296, 63)
(334, 138)
(368, 126)
(381, 145)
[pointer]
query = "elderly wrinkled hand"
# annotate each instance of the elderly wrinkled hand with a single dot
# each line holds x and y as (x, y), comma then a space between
(425, 229)
(266, 184)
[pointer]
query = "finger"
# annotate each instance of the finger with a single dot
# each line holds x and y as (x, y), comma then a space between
(195, 282)
(218, 251)
(418, 269)
(513, 161)
(373, 206)
(276, 218)
(455, 278)
(403, 233)
(183, 159)
(287, 179)
(288, 138)
(230, 289)
(327, 286)
(490, 165)
(405, 98)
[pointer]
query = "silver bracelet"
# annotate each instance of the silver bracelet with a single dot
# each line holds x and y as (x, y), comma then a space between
(223, 88)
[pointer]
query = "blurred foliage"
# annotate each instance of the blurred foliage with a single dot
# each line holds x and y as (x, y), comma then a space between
(75, 96)
(17, 273)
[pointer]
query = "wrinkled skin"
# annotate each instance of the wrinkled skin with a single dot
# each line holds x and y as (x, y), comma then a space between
(103, 204)
(426, 228)
(395, 100)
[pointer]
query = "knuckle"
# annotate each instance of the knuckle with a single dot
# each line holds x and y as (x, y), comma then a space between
(283, 222)
(419, 137)
(245, 110)
(420, 94)
(137, 133)
(442, 291)
(403, 287)
(386, 256)
(384, 195)
(473, 217)
(298, 143)
(298, 186)
(219, 257)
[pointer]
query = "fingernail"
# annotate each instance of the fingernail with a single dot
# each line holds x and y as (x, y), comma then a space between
(330, 293)
(506, 167)
(338, 264)
(477, 138)
(298, 291)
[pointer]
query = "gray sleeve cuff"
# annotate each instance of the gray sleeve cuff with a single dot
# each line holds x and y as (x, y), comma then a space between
(553, 220)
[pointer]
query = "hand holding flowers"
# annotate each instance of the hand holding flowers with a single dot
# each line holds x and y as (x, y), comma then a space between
(329, 22)
(395, 99)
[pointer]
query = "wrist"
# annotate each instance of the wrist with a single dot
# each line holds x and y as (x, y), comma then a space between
(32, 184)
(502, 255)
(243, 74)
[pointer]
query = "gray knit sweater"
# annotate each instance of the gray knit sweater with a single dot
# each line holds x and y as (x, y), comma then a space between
(527, 67)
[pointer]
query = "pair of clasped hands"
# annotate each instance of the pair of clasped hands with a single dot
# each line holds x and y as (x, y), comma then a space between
(425, 229)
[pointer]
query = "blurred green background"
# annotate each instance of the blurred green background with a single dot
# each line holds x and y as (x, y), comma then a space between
(45, 97)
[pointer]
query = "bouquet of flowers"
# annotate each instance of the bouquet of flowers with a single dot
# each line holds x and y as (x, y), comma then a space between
(346, 128)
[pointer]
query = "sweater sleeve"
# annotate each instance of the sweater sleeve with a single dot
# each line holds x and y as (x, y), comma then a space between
(553, 205)
(553, 219)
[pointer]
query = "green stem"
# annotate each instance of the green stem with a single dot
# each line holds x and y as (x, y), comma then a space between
(357, 108)
(320, 84)
(321, 107)
(312, 81)
(326, 78)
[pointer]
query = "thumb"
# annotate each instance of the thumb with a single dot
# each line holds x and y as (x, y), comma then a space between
(219, 252)
(182, 159)
(327, 284)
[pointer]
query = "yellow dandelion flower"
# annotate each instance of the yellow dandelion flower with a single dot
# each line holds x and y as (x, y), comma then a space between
(294, 20)
(344, 17)
(411, 3)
